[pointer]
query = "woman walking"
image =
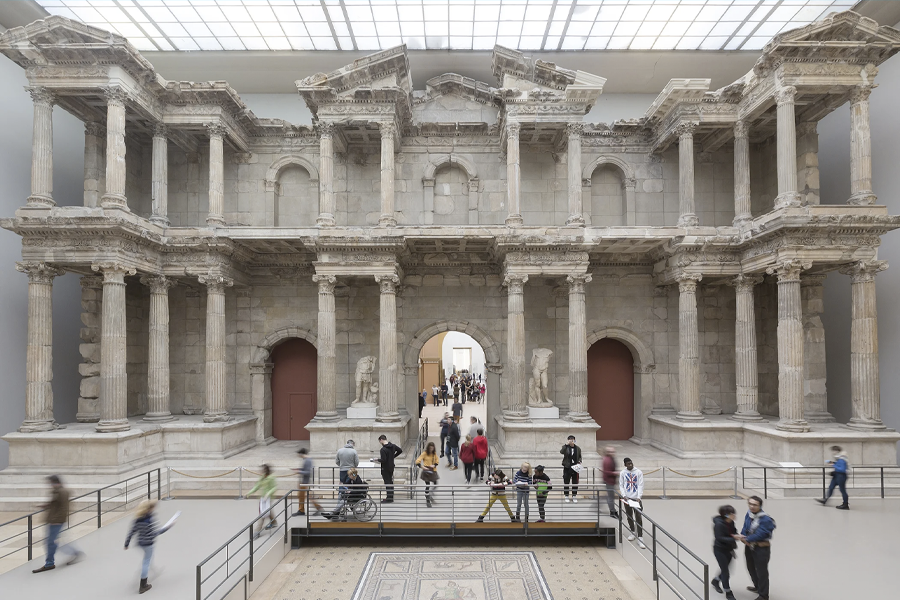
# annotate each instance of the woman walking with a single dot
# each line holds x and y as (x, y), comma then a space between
(144, 528)
(267, 485)
(429, 461)
(522, 481)
(723, 548)
(467, 456)
(498, 482)
(542, 488)
(481, 451)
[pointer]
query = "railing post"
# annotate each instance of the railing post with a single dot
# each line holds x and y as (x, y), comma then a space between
(765, 483)
(199, 584)
(148, 485)
(705, 582)
(823, 482)
(30, 536)
(882, 482)
(158, 484)
(286, 514)
(99, 510)
(250, 531)
(654, 550)
(620, 523)
(735, 495)
(664, 497)
(240, 483)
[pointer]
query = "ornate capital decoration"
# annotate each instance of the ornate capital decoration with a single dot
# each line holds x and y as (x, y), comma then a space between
(577, 282)
(860, 93)
(39, 272)
(741, 129)
(789, 270)
(325, 129)
(261, 368)
(93, 282)
(113, 271)
(42, 96)
(388, 129)
(115, 95)
(216, 130)
(215, 283)
(629, 183)
(745, 283)
(785, 94)
(495, 368)
(512, 131)
(685, 129)
(326, 283)
(158, 284)
(387, 283)
(574, 130)
(687, 282)
(160, 130)
(515, 282)
(864, 271)
(95, 129)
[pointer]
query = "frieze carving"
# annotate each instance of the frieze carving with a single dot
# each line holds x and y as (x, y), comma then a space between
(57, 72)
(546, 258)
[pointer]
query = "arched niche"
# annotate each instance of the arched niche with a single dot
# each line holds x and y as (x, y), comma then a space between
(272, 185)
(628, 182)
(438, 162)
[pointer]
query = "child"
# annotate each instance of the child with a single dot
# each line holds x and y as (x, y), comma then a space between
(267, 485)
(498, 482)
(542, 487)
(145, 529)
(522, 479)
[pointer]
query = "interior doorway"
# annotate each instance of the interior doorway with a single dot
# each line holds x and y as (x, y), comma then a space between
(293, 389)
(611, 389)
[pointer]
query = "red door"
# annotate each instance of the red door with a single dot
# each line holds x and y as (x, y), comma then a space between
(611, 389)
(293, 389)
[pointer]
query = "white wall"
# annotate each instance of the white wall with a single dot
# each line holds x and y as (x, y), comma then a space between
(455, 339)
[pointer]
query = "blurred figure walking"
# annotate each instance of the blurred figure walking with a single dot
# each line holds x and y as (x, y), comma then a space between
(267, 485)
(144, 528)
(306, 478)
(610, 479)
(57, 515)
(841, 465)
(724, 546)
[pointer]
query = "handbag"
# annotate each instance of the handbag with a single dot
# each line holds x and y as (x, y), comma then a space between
(429, 476)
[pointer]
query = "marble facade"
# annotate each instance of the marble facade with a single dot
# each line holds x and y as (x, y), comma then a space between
(693, 235)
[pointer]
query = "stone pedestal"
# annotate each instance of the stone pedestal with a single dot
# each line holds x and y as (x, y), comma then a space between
(543, 412)
(325, 437)
(367, 411)
(542, 439)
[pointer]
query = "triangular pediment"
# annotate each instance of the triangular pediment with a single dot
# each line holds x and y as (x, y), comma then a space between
(454, 98)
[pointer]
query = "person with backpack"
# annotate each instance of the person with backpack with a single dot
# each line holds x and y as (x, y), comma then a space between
(757, 538)
(498, 482)
(523, 481)
(841, 465)
(467, 456)
(542, 489)
(724, 545)
(453, 436)
(481, 452)
(445, 426)
(144, 528)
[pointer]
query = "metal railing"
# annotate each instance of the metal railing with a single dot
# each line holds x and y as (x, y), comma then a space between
(873, 481)
(24, 533)
(672, 564)
(421, 441)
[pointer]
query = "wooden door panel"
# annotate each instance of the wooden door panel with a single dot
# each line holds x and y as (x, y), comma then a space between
(293, 389)
(303, 409)
(611, 389)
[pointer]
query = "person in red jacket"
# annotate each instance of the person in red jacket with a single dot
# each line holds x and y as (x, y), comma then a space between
(467, 456)
(481, 451)
(611, 479)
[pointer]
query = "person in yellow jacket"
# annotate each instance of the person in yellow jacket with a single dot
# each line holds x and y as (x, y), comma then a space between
(267, 485)
(429, 461)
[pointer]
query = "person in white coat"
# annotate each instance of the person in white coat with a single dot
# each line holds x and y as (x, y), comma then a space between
(631, 488)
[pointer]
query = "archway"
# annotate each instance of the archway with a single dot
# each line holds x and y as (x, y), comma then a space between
(611, 389)
(293, 388)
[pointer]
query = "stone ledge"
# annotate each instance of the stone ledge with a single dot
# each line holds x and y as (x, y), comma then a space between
(326, 437)
(542, 439)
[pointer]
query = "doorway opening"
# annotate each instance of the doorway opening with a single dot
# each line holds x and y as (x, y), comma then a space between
(293, 389)
(611, 389)
(455, 360)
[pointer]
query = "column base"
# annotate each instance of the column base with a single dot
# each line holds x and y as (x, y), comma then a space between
(514, 221)
(689, 415)
(159, 220)
(40, 202)
(663, 410)
(688, 220)
(113, 426)
(215, 221)
(387, 221)
(393, 417)
(37, 426)
(863, 198)
(866, 424)
(787, 199)
(748, 416)
(819, 416)
(516, 416)
(794, 426)
(330, 415)
(576, 220)
(158, 417)
(222, 417)
(325, 220)
(578, 417)
(113, 201)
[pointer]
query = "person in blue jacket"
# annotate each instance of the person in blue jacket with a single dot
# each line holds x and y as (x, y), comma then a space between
(757, 538)
(841, 465)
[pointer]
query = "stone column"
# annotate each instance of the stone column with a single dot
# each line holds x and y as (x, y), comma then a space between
(790, 346)
(687, 217)
(326, 175)
(865, 386)
(745, 364)
(39, 353)
(158, 354)
(860, 147)
(578, 409)
(387, 219)
(114, 196)
(741, 174)
(42, 148)
(216, 409)
(787, 148)
(94, 134)
(815, 392)
(576, 211)
(515, 347)
(326, 409)
(513, 176)
(89, 390)
(113, 344)
(388, 376)
(160, 176)
(216, 215)
(689, 349)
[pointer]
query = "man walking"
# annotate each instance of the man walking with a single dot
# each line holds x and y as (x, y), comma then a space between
(571, 457)
(611, 479)
(757, 535)
(306, 478)
(631, 487)
(57, 515)
(453, 436)
(474, 426)
(840, 464)
(444, 390)
(445, 425)
(481, 451)
(389, 451)
(347, 459)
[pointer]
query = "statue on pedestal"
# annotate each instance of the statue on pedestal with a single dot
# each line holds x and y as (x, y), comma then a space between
(537, 385)
(366, 390)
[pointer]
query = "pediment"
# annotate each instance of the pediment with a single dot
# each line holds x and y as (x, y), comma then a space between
(386, 69)
(846, 26)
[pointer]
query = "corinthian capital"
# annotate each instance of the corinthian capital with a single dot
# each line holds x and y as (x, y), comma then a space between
(577, 282)
(741, 129)
(326, 283)
(785, 94)
(745, 283)
(685, 129)
(388, 129)
(113, 271)
(860, 93)
(160, 130)
(95, 129)
(864, 271)
(515, 282)
(39, 272)
(158, 284)
(574, 129)
(512, 131)
(42, 96)
(115, 95)
(215, 282)
(387, 283)
(789, 270)
(687, 282)
(325, 129)
(216, 130)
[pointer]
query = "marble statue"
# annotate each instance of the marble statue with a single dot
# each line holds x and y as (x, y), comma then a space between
(537, 385)
(365, 388)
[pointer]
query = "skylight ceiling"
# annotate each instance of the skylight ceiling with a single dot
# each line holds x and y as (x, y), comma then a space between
(371, 25)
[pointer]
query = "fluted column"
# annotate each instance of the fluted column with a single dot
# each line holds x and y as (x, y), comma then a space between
(513, 176)
(114, 196)
(745, 364)
(216, 215)
(158, 350)
(160, 176)
(860, 147)
(39, 353)
(94, 139)
(790, 346)
(865, 385)
(42, 148)
(387, 219)
(326, 174)
(741, 174)
(576, 210)
(689, 349)
(388, 376)
(216, 410)
(787, 148)
(326, 400)
(578, 409)
(687, 217)
(113, 345)
(515, 346)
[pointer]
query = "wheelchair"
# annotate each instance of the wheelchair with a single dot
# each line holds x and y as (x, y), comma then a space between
(362, 509)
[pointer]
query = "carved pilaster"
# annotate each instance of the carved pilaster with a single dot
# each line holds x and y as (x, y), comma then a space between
(578, 369)
(326, 174)
(388, 369)
(388, 131)
(216, 409)
(687, 217)
(515, 346)
(689, 349)
(326, 385)
(574, 132)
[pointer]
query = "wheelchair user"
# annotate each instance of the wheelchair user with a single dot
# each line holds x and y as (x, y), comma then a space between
(352, 492)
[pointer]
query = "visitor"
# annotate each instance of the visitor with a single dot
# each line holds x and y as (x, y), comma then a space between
(267, 485)
(610, 479)
(354, 490)
(631, 488)
(756, 536)
(306, 478)
(346, 459)
(481, 452)
(444, 390)
(542, 489)
(453, 436)
(423, 399)
(724, 546)
(435, 392)
(57, 516)
(474, 426)
(429, 461)
(467, 456)
(144, 528)
(456, 391)
(571, 467)
(523, 481)
(445, 426)
(841, 465)
(498, 482)
(457, 409)
(389, 452)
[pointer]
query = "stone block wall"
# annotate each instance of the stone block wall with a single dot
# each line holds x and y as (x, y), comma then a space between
(716, 306)
(766, 307)
(137, 326)
(763, 176)
(189, 187)
(187, 349)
